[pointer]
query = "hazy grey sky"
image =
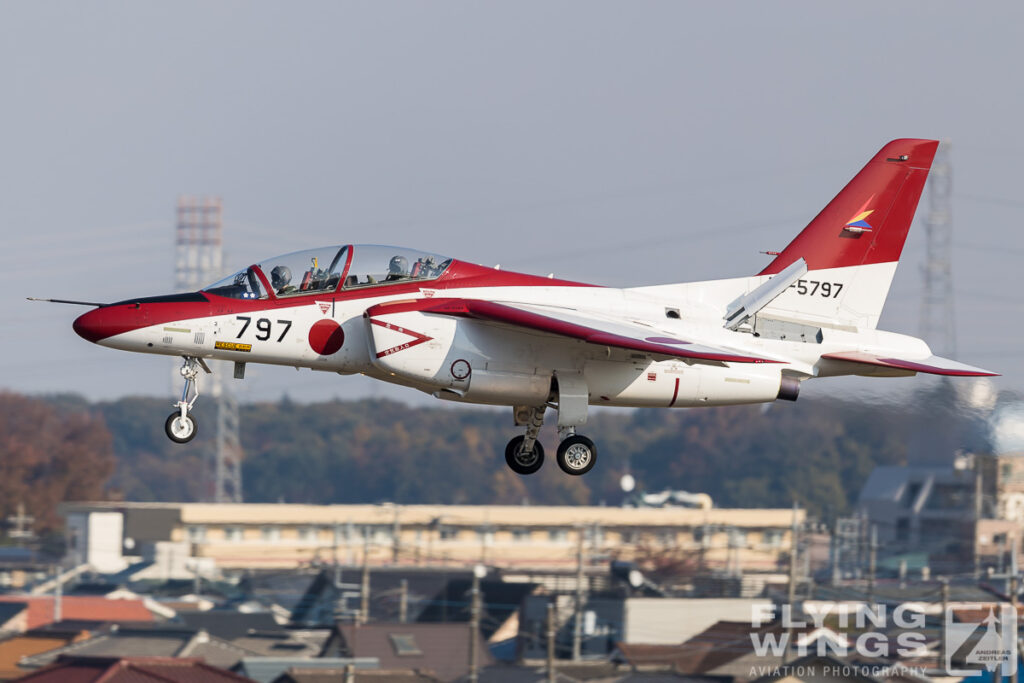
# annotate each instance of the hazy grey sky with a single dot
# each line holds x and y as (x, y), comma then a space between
(620, 143)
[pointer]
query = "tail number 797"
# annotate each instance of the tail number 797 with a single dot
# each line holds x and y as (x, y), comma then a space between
(827, 290)
(263, 327)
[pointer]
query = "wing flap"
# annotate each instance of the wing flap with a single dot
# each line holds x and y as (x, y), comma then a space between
(932, 365)
(573, 324)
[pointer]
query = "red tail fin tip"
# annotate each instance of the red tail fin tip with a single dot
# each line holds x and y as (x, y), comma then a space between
(868, 221)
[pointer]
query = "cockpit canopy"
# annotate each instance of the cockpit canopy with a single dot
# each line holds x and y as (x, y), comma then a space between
(324, 270)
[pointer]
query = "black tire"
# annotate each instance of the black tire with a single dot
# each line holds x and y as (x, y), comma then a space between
(523, 463)
(180, 432)
(577, 455)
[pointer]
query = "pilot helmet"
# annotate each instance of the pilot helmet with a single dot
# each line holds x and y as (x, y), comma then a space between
(280, 276)
(399, 265)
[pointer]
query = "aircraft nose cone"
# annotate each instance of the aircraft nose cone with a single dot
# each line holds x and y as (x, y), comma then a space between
(103, 322)
(89, 326)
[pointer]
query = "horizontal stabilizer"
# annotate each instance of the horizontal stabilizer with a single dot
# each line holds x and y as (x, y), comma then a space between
(573, 324)
(932, 365)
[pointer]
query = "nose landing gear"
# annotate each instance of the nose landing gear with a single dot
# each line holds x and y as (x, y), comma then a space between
(180, 425)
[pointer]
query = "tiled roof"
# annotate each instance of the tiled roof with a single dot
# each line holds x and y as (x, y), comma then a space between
(268, 669)
(13, 649)
(155, 641)
(441, 650)
(131, 670)
(302, 675)
(229, 624)
(41, 609)
(710, 649)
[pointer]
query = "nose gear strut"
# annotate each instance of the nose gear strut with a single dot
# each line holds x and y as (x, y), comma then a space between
(180, 425)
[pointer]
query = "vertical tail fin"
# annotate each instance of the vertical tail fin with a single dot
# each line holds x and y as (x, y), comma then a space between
(853, 246)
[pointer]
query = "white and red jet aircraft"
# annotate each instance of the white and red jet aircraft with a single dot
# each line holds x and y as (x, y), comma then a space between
(469, 333)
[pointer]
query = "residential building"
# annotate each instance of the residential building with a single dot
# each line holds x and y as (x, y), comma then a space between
(281, 536)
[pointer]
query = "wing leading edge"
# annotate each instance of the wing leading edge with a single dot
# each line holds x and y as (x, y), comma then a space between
(573, 324)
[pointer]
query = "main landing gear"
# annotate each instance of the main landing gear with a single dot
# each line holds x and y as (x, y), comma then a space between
(180, 425)
(524, 454)
(576, 453)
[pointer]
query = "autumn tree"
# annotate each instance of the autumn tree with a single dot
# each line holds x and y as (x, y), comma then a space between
(48, 455)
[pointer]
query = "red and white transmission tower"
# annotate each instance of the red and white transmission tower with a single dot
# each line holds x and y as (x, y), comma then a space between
(937, 312)
(199, 247)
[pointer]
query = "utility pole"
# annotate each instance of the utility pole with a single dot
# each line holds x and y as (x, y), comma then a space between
(58, 594)
(1013, 607)
(1013, 604)
(549, 632)
(977, 516)
(945, 608)
(794, 545)
(1012, 588)
(396, 543)
(474, 622)
(403, 601)
(872, 557)
(364, 591)
(577, 630)
(834, 554)
(334, 554)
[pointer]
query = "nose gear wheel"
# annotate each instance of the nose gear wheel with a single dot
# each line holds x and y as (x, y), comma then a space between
(180, 429)
(180, 425)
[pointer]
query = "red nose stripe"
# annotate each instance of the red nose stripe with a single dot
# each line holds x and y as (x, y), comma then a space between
(108, 321)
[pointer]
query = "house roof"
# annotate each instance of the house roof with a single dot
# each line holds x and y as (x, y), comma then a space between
(290, 643)
(131, 670)
(442, 650)
(709, 650)
(142, 641)
(304, 675)
(41, 608)
(432, 596)
(28, 644)
(229, 625)
(267, 669)
(601, 672)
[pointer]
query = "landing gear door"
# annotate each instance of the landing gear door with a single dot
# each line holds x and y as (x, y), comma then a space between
(573, 398)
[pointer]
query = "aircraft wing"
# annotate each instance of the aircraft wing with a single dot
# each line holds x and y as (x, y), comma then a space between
(573, 324)
(932, 365)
